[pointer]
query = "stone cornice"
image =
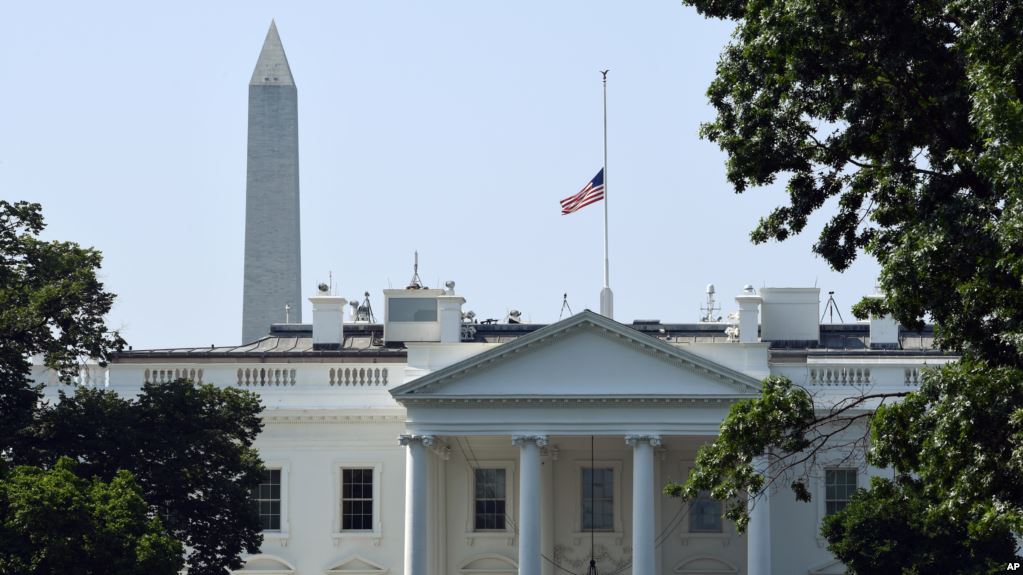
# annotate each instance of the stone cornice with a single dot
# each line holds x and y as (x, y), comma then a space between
(279, 417)
(592, 401)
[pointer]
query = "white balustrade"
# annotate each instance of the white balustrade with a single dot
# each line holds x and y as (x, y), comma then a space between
(171, 374)
(840, 375)
(358, 376)
(266, 376)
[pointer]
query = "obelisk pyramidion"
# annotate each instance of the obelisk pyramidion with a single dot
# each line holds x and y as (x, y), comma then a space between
(273, 267)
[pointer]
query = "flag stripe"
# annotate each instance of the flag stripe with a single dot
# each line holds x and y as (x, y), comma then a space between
(591, 200)
(590, 197)
(592, 192)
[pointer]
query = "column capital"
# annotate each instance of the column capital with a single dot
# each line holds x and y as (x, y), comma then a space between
(635, 439)
(409, 439)
(520, 440)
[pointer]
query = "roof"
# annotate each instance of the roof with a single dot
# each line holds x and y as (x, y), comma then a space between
(272, 67)
(366, 340)
(586, 319)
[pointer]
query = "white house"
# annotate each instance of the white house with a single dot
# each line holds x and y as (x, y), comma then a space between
(429, 445)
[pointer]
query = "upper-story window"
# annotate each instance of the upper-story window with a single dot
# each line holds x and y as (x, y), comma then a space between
(490, 499)
(704, 514)
(597, 499)
(267, 499)
(839, 485)
(411, 309)
(357, 499)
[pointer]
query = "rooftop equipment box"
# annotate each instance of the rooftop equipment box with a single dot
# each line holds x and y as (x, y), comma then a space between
(790, 314)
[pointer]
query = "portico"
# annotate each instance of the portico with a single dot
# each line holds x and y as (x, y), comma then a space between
(580, 424)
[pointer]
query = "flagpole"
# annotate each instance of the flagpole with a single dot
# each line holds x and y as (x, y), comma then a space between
(606, 296)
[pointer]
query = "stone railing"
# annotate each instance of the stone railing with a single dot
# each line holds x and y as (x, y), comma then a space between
(912, 376)
(265, 376)
(168, 375)
(358, 376)
(840, 375)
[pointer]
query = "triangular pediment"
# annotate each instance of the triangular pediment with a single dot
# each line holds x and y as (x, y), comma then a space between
(586, 355)
(356, 565)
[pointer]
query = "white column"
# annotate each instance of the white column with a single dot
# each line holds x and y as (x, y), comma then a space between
(529, 502)
(758, 532)
(547, 511)
(415, 503)
(643, 507)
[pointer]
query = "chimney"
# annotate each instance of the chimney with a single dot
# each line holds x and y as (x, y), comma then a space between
(450, 307)
(749, 308)
(328, 319)
(884, 330)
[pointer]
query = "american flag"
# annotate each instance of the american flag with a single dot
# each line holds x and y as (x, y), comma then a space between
(591, 192)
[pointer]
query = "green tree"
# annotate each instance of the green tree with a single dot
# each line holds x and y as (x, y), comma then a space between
(909, 115)
(904, 120)
(51, 304)
(189, 446)
(54, 522)
(895, 528)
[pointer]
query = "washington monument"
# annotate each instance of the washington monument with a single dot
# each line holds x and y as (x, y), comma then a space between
(273, 268)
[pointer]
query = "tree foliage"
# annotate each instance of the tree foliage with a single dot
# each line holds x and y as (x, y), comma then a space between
(183, 452)
(909, 115)
(903, 121)
(51, 304)
(895, 528)
(54, 522)
(189, 447)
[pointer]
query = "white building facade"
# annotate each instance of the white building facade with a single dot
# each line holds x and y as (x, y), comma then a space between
(426, 445)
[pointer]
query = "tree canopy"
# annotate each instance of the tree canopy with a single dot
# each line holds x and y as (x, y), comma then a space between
(189, 446)
(51, 305)
(54, 522)
(904, 122)
(909, 116)
(181, 450)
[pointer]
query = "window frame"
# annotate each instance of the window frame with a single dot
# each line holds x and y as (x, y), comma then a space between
(510, 494)
(720, 515)
(259, 500)
(503, 516)
(819, 479)
(727, 533)
(377, 529)
(856, 485)
(618, 528)
(283, 533)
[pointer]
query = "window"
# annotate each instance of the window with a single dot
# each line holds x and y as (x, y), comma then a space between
(411, 309)
(597, 499)
(357, 499)
(704, 514)
(267, 499)
(491, 500)
(839, 485)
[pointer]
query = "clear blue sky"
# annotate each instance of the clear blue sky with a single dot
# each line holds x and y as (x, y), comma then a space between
(452, 128)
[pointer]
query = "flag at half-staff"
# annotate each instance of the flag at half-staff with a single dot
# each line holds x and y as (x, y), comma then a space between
(591, 193)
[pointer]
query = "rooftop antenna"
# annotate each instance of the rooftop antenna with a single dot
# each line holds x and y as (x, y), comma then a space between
(363, 313)
(564, 306)
(709, 309)
(415, 283)
(330, 281)
(830, 308)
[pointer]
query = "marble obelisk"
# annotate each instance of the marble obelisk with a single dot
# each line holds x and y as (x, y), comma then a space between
(273, 266)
